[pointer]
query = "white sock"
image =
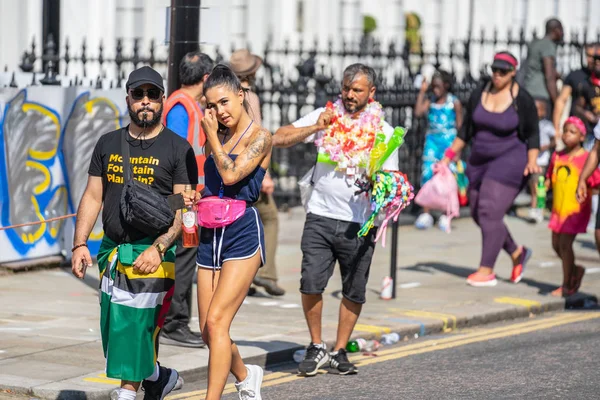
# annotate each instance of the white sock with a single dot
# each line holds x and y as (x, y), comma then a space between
(321, 345)
(125, 394)
(247, 376)
(154, 376)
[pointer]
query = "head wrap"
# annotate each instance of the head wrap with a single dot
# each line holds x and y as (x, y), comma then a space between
(578, 124)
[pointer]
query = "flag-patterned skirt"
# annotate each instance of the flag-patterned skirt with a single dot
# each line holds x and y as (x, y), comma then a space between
(133, 308)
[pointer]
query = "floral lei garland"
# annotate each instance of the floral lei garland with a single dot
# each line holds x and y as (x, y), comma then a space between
(348, 141)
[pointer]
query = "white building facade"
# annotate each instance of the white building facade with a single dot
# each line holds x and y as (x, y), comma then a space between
(254, 22)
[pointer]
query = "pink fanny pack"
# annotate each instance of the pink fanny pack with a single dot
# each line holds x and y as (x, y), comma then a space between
(216, 212)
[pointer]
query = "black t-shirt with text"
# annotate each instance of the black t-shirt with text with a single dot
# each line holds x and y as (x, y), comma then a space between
(160, 162)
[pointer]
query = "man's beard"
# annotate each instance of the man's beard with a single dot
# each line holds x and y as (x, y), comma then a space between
(149, 123)
(353, 107)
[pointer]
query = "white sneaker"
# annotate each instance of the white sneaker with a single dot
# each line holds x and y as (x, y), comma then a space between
(425, 221)
(444, 223)
(536, 215)
(249, 388)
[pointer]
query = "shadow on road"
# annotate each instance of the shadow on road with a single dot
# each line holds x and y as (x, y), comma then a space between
(285, 354)
(580, 300)
(432, 267)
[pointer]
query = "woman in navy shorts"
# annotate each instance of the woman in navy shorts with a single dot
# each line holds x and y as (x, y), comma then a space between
(239, 152)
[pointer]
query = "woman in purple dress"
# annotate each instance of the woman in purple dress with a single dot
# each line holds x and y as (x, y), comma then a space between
(501, 124)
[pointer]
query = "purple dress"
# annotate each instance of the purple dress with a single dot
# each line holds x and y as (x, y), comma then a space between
(497, 152)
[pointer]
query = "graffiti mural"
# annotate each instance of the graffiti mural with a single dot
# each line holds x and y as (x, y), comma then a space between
(47, 138)
(90, 118)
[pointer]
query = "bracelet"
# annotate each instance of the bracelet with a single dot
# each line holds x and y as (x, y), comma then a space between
(449, 153)
(78, 246)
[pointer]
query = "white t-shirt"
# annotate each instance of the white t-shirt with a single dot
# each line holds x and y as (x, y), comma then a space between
(333, 192)
(546, 135)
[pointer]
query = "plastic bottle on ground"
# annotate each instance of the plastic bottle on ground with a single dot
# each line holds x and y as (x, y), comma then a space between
(390, 338)
(371, 345)
(354, 346)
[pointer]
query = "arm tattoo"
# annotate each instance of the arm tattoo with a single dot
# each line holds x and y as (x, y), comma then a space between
(222, 159)
(168, 238)
(247, 161)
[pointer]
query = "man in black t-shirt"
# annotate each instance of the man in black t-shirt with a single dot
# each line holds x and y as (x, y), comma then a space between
(587, 106)
(136, 269)
(574, 84)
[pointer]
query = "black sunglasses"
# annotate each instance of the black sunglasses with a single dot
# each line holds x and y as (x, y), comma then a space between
(153, 94)
(500, 71)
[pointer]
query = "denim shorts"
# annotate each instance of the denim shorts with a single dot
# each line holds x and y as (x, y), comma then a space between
(238, 241)
(325, 241)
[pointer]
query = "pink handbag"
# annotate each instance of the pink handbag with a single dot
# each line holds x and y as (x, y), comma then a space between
(440, 192)
(216, 212)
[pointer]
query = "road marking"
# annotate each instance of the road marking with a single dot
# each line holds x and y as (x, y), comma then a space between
(101, 378)
(269, 303)
(290, 306)
(469, 340)
(431, 315)
(515, 301)
(431, 345)
(410, 321)
(592, 270)
(372, 329)
(547, 264)
(409, 285)
(15, 329)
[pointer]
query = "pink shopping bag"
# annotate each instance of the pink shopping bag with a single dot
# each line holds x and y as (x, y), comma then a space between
(440, 193)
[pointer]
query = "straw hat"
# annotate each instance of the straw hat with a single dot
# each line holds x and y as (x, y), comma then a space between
(243, 63)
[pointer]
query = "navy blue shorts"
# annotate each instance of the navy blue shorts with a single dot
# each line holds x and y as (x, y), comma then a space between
(237, 241)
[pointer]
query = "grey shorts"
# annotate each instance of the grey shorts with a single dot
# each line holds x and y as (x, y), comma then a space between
(325, 241)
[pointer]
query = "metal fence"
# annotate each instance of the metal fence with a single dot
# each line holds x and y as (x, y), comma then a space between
(299, 77)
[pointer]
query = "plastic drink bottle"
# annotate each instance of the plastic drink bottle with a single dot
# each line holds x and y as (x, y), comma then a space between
(540, 193)
(190, 227)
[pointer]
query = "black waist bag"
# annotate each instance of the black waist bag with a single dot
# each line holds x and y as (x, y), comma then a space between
(142, 207)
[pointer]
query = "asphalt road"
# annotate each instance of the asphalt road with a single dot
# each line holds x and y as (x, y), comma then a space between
(551, 357)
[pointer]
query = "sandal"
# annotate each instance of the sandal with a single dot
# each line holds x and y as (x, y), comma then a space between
(558, 292)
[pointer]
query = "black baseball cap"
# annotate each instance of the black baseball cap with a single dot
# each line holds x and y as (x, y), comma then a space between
(144, 75)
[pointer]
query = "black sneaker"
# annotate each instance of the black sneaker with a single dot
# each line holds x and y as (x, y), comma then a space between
(314, 359)
(341, 364)
(157, 390)
(182, 336)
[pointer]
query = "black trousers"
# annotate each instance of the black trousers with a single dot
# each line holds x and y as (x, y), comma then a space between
(181, 304)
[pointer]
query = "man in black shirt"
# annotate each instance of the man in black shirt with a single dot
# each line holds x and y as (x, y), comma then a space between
(137, 270)
(587, 106)
(574, 84)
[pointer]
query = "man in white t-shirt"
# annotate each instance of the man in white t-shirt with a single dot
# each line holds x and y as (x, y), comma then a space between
(335, 214)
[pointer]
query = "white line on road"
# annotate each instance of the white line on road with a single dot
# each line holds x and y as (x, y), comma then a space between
(592, 270)
(547, 264)
(269, 303)
(409, 285)
(15, 329)
(290, 306)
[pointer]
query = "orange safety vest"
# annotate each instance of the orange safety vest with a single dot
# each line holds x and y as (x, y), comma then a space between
(195, 134)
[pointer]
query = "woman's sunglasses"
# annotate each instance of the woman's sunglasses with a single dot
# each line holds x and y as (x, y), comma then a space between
(500, 71)
(153, 94)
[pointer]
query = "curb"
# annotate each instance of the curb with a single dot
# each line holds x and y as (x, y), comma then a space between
(269, 359)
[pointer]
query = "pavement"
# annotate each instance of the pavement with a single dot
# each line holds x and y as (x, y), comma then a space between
(49, 324)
